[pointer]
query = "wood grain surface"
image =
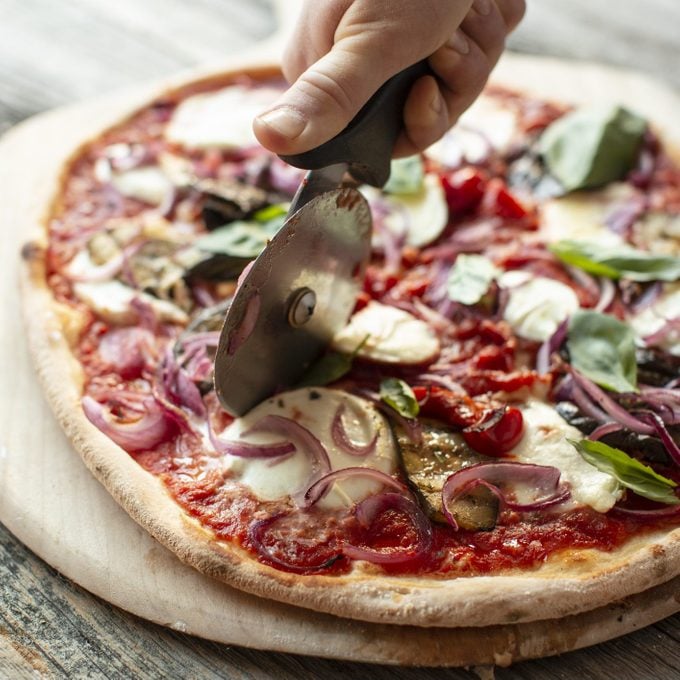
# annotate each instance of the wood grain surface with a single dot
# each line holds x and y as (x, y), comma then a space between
(53, 628)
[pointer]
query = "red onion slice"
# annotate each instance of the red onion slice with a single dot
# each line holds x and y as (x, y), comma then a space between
(658, 513)
(552, 344)
(145, 432)
(670, 327)
(322, 486)
(605, 402)
(248, 450)
(127, 350)
(607, 294)
(659, 427)
(256, 533)
(603, 430)
(342, 440)
(545, 479)
(368, 510)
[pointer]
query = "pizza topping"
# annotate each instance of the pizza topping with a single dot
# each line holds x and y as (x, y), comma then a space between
(602, 349)
(221, 119)
(592, 146)
(545, 443)
(322, 486)
(628, 471)
(305, 417)
(394, 336)
(531, 487)
(135, 422)
(406, 176)
(112, 301)
(497, 434)
(242, 449)
(657, 325)
(343, 441)
(537, 305)
(127, 350)
(148, 184)
(374, 509)
(618, 261)
(399, 396)
(470, 278)
(228, 200)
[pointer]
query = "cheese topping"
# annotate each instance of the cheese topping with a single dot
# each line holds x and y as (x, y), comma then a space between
(111, 300)
(389, 335)
(655, 317)
(221, 119)
(314, 409)
(536, 305)
(545, 443)
(148, 184)
(421, 216)
(581, 216)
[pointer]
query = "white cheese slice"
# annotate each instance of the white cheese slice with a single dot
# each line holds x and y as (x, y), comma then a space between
(545, 443)
(222, 119)
(111, 300)
(422, 216)
(486, 123)
(391, 335)
(652, 319)
(581, 215)
(314, 409)
(537, 306)
(148, 184)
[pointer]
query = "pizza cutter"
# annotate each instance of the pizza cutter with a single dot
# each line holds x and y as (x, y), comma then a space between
(300, 291)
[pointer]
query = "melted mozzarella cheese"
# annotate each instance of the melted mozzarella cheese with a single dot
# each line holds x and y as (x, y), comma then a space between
(221, 119)
(545, 443)
(536, 305)
(652, 319)
(486, 123)
(582, 215)
(314, 409)
(422, 216)
(111, 300)
(148, 184)
(389, 335)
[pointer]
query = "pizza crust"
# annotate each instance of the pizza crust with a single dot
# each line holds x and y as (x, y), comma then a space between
(569, 583)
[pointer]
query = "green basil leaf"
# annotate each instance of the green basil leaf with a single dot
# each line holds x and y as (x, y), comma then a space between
(245, 239)
(617, 262)
(470, 278)
(628, 471)
(330, 367)
(592, 146)
(602, 348)
(397, 394)
(271, 212)
(406, 176)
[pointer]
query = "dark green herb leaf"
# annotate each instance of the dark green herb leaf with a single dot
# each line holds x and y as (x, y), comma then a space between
(628, 471)
(330, 367)
(618, 262)
(592, 146)
(406, 176)
(470, 278)
(241, 238)
(602, 348)
(397, 394)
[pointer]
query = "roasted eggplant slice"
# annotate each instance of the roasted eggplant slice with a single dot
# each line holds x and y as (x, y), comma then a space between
(229, 200)
(430, 462)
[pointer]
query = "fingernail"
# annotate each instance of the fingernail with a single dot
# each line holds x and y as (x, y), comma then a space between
(458, 42)
(482, 7)
(285, 121)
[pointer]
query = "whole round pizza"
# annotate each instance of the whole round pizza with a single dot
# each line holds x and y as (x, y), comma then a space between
(494, 435)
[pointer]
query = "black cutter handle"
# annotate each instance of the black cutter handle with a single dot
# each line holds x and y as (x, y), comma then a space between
(366, 144)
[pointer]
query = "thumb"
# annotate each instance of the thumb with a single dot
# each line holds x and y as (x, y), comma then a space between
(325, 98)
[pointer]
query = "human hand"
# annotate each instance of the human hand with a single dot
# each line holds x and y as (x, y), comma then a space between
(342, 51)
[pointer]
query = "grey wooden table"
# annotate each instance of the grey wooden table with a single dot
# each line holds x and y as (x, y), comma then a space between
(56, 52)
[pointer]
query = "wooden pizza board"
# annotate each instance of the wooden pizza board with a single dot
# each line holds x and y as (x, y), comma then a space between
(49, 500)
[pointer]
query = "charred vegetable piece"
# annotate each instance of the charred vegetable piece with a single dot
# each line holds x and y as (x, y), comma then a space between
(229, 200)
(640, 445)
(656, 367)
(155, 270)
(208, 319)
(429, 463)
(201, 264)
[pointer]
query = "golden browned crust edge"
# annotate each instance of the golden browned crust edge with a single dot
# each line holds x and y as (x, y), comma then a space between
(574, 582)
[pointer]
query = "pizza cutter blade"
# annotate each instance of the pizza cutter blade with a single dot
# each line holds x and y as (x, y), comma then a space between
(301, 289)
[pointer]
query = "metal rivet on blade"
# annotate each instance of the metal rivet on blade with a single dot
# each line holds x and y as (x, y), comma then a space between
(301, 307)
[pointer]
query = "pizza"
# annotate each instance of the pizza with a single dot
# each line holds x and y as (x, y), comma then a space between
(492, 438)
